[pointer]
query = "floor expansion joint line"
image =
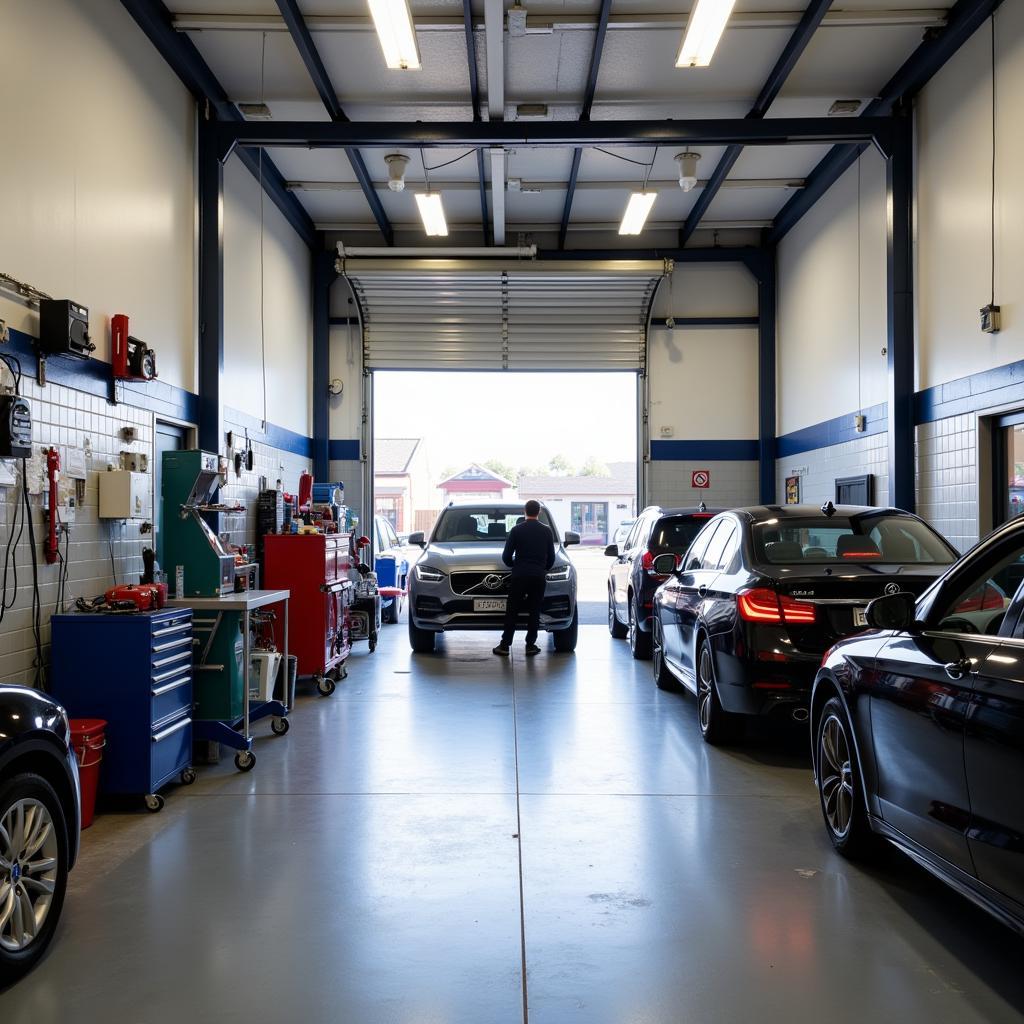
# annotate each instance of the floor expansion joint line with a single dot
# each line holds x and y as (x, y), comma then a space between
(519, 847)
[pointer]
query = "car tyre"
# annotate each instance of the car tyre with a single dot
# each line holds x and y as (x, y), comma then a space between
(639, 641)
(663, 677)
(840, 786)
(565, 639)
(420, 640)
(716, 724)
(32, 792)
(616, 628)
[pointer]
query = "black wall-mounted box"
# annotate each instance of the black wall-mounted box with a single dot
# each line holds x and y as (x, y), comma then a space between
(64, 329)
(15, 428)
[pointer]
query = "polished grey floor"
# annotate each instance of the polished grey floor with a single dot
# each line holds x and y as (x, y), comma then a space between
(455, 839)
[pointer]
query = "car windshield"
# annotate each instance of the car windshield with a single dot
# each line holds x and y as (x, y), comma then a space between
(675, 535)
(481, 525)
(877, 537)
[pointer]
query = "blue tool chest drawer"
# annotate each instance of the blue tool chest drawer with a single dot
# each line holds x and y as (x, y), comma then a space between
(134, 671)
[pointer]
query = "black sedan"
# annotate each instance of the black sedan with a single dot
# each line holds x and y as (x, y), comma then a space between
(763, 592)
(39, 824)
(918, 727)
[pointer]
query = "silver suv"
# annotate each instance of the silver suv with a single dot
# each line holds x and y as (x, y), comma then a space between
(460, 581)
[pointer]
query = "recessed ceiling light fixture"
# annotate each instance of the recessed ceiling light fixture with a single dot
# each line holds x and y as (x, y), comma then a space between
(637, 210)
(703, 30)
(432, 213)
(393, 21)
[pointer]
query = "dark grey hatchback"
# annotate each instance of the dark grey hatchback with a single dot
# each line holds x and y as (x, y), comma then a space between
(40, 818)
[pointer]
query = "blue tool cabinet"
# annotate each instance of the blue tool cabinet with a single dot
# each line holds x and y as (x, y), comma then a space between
(134, 671)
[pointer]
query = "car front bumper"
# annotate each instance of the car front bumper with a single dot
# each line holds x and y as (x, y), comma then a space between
(435, 607)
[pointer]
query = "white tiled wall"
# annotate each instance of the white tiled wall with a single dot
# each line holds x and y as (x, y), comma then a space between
(820, 468)
(733, 484)
(948, 478)
(351, 475)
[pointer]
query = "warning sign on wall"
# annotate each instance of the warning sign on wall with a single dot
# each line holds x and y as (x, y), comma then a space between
(701, 479)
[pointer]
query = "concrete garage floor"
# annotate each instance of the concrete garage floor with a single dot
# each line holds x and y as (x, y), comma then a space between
(456, 839)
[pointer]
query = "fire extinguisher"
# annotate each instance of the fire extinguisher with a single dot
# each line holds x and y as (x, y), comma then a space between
(50, 546)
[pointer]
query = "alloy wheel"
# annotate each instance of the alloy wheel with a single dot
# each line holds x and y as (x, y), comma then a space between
(656, 652)
(836, 774)
(28, 872)
(632, 628)
(611, 614)
(705, 681)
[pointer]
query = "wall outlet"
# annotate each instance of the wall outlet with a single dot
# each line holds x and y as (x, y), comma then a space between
(668, 431)
(859, 424)
(991, 319)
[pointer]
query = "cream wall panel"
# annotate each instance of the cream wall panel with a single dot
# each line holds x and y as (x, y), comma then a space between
(96, 182)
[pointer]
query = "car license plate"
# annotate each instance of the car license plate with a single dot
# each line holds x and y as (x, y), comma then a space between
(860, 616)
(489, 604)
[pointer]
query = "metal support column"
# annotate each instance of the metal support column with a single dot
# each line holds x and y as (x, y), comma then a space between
(323, 277)
(211, 286)
(766, 381)
(900, 302)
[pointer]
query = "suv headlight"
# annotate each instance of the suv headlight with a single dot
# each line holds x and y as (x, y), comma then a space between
(559, 574)
(428, 575)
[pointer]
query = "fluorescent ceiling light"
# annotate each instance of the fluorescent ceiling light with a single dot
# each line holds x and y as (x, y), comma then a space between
(393, 21)
(637, 209)
(432, 213)
(703, 30)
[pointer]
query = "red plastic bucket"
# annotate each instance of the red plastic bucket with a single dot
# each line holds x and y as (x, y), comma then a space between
(88, 737)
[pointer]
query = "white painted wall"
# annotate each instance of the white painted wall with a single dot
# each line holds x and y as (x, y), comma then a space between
(96, 175)
(287, 307)
(954, 182)
(830, 338)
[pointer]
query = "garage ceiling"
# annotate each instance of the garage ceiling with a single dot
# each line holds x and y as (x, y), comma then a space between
(851, 55)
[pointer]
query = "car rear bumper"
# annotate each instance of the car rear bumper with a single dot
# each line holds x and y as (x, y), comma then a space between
(749, 686)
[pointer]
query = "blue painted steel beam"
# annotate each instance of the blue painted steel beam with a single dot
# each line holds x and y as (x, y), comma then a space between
(588, 103)
(772, 131)
(211, 290)
(185, 60)
(900, 319)
(474, 95)
(964, 18)
(766, 381)
(303, 40)
(796, 45)
(755, 259)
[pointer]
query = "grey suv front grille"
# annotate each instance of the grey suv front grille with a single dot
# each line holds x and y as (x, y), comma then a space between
(480, 584)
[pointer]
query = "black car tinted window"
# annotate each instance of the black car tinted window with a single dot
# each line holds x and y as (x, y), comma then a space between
(719, 552)
(877, 537)
(695, 556)
(674, 534)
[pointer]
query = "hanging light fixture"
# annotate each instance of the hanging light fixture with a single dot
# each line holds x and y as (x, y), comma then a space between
(687, 163)
(637, 210)
(396, 164)
(393, 21)
(432, 213)
(703, 31)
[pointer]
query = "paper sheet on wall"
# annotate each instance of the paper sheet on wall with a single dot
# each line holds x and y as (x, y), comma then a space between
(73, 463)
(8, 473)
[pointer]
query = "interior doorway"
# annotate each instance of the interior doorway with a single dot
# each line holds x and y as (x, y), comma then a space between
(1007, 467)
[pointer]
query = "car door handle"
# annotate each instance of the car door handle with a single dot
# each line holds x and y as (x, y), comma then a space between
(958, 669)
(702, 590)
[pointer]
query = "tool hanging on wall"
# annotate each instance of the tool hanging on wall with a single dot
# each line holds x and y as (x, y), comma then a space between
(131, 358)
(50, 545)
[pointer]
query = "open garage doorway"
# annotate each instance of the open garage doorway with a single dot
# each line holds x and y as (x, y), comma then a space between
(567, 439)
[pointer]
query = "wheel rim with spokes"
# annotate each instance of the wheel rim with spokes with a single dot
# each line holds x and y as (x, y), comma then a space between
(632, 628)
(705, 681)
(28, 872)
(656, 645)
(836, 774)
(611, 614)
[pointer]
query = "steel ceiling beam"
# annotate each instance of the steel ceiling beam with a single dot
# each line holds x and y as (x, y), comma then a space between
(530, 187)
(965, 17)
(185, 61)
(791, 53)
(588, 103)
(322, 81)
(774, 131)
(474, 92)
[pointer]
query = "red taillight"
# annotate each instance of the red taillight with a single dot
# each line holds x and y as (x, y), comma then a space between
(862, 554)
(765, 605)
(647, 562)
(771, 684)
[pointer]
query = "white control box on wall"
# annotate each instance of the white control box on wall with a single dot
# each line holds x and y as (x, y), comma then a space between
(125, 495)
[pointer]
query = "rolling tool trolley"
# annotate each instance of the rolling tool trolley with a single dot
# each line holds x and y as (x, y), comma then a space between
(314, 567)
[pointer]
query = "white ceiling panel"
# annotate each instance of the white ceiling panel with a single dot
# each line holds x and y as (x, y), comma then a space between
(747, 204)
(312, 164)
(776, 161)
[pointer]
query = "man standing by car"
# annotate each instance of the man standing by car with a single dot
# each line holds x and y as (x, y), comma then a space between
(530, 553)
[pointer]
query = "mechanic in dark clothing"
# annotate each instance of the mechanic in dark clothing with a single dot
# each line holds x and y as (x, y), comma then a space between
(530, 553)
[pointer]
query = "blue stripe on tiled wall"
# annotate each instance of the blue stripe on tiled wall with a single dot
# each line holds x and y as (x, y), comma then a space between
(1003, 385)
(344, 450)
(277, 437)
(710, 451)
(830, 432)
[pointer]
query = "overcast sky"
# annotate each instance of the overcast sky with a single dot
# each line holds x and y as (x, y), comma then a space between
(521, 418)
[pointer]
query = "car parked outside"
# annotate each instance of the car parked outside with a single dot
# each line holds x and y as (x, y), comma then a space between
(763, 592)
(460, 582)
(622, 532)
(918, 728)
(391, 567)
(40, 820)
(632, 579)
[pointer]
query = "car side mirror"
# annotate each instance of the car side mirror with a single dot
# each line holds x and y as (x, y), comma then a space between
(894, 611)
(612, 551)
(418, 539)
(571, 538)
(665, 565)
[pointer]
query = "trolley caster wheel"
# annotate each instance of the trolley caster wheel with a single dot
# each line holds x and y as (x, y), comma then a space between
(339, 673)
(245, 760)
(325, 686)
(279, 726)
(154, 802)
(373, 644)
(188, 776)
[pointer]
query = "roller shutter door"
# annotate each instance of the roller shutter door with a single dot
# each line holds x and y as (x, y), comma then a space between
(493, 315)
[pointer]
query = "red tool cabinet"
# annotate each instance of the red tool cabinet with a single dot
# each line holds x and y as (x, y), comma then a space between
(314, 567)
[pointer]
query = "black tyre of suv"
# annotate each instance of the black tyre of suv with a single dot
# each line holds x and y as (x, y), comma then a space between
(616, 628)
(663, 677)
(31, 787)
(565, 639)
(420, 640)
(639, 641)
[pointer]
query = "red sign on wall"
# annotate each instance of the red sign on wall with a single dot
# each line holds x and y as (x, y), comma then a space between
(700, 479)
